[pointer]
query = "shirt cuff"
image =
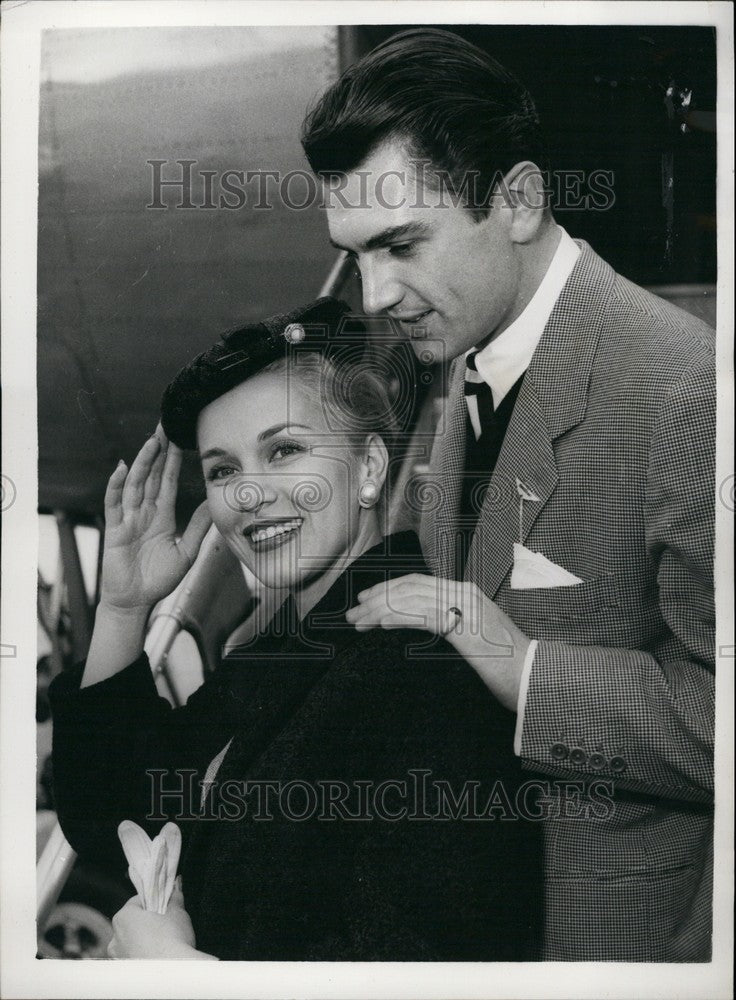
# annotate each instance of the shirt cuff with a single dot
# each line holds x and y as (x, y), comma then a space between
(526, 672)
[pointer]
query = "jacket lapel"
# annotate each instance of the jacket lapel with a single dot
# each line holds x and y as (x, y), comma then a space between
(552, 401)
(287, 668)
(527, 455)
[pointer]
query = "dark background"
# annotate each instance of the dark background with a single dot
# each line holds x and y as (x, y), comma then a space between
(601, 94)
(126, 295)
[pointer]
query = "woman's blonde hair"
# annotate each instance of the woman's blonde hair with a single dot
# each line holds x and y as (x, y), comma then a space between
(355, 397)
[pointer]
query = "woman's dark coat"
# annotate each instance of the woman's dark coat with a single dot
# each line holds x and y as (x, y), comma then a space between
(326, 710)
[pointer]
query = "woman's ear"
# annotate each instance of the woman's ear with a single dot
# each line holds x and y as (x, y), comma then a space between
(373, 464)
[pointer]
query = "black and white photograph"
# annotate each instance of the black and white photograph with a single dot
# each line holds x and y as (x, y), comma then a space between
(367, 494)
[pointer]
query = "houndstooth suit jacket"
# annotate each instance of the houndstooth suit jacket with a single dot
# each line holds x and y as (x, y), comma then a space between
(614, 432)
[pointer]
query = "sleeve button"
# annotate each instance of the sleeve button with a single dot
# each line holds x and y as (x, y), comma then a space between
(617, 764)
(578, 756)
(597, 761)
(559, 751)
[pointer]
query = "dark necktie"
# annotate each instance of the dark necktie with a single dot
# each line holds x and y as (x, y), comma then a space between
(482, 453)
(476, 386)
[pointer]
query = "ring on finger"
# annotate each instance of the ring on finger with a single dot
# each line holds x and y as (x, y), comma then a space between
(453, 616)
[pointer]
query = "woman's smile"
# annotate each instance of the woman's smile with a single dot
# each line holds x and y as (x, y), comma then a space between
(266, 535)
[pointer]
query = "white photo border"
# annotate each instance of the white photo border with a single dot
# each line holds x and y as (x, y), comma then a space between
(23, 975)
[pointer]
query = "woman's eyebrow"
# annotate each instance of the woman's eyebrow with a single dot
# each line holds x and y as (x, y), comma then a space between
(269, 432)
(277, 428)
(211, 453)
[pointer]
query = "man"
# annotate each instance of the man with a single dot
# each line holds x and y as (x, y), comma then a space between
(583, 418)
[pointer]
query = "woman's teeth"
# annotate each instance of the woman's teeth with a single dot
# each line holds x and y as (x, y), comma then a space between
(263, 534)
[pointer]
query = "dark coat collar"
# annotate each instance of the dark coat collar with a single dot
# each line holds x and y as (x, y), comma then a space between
(395, 556)
(260, 684)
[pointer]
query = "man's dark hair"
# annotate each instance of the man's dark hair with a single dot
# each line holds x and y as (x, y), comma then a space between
(445, 99)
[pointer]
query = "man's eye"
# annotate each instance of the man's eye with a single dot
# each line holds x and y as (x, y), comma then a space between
(402, 249)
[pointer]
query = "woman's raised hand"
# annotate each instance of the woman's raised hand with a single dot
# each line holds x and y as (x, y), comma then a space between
(143, 561)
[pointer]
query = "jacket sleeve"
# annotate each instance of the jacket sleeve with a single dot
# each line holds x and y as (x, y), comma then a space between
(646, 718)
(111, 741)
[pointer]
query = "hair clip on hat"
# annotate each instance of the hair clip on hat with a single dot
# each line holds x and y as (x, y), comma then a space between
(295, 333)
(245, 351)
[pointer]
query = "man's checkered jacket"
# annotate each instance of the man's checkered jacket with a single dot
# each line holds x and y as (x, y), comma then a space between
(614, 431)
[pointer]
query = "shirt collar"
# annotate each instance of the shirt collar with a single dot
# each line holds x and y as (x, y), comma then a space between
(505, 359)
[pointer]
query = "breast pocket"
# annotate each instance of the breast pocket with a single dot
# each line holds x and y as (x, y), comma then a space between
(584, 613)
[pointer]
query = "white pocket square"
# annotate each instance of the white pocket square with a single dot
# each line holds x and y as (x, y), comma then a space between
(532, 569)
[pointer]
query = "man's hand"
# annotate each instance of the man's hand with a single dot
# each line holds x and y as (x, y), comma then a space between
(482, 634)
(142, 934)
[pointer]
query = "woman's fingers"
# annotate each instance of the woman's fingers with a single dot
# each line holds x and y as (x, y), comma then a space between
(114, 495)
(197, 528)
(139, 471)
(153, 482)
(170, 478)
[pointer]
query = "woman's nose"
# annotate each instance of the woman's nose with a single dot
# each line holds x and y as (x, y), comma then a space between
(247, 493)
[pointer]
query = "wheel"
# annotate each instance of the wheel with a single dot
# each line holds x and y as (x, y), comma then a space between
(80, 925)
(75, 931)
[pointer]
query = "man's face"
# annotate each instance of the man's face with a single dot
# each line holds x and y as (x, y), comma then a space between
(425, 261)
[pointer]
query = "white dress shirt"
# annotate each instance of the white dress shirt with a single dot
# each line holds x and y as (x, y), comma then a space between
(503, 361)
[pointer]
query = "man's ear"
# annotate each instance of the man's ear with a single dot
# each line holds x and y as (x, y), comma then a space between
(374, 462)
(524, 198)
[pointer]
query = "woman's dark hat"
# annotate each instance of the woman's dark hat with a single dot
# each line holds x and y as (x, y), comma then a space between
(245, 351)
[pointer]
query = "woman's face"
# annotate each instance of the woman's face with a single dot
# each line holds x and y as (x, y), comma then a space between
(282, 487)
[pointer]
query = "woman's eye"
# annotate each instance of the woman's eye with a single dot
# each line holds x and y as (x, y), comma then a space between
(219, 472)
(284, 449)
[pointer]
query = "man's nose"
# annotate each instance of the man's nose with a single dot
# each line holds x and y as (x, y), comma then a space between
(381, 289)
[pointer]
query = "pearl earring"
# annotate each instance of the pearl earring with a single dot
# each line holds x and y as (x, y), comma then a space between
(368, 493)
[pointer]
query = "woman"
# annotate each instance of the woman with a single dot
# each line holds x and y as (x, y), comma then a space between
(343, 794)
